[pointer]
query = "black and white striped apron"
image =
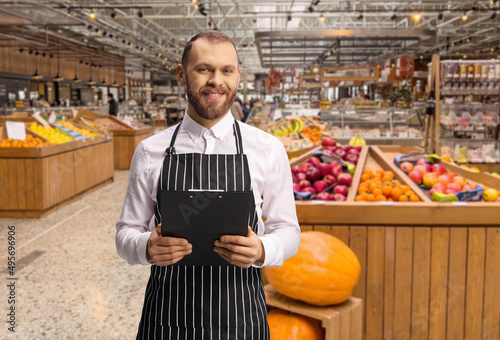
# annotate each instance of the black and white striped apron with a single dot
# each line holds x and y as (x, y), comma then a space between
(205, 302)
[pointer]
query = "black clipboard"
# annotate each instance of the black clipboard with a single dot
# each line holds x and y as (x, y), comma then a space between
(202, 217)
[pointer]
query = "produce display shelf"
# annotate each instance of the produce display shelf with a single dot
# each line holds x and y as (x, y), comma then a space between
(38, 180)
(125, 143)
(426, 266)
(340, 322)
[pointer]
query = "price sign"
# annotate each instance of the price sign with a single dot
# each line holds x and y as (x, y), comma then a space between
(52, 118)
(16, 130)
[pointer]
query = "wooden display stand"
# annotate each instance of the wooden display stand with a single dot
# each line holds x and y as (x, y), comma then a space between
(125, 140)
(125, 143)
(429, 270)
(38, 180)
(341, 322)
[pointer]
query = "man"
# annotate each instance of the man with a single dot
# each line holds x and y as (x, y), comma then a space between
(113, 105)
(208, 150)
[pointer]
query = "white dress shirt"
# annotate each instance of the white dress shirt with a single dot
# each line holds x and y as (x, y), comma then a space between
(271, 184)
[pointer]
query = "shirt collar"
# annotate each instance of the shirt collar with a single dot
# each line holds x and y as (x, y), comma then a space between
(219, 130)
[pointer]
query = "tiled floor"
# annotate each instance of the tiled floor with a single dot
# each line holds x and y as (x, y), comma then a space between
(71, 284)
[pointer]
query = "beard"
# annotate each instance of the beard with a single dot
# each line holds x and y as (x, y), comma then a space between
(209, 111)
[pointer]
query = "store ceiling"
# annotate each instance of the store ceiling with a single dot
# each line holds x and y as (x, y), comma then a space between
(141, 31)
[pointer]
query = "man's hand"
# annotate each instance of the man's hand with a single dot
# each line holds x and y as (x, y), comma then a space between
(166, 250)
(240, 251)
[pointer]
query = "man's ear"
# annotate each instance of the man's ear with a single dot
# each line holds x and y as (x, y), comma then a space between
(181, 75)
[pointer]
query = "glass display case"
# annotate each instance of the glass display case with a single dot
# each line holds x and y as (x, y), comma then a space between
(374, 123)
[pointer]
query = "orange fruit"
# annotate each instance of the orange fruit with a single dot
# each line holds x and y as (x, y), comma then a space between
(370, 197)
(403, 198)
(359, 198)
(362, 188)
(365, 177)
(368, 171)
(405, 188)
(414, 198)
(380, 198)
(387, 191)
(396, 193)
(377, 192)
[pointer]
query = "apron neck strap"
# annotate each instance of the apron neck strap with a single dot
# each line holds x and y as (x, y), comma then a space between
(171, 149)
(237, 136)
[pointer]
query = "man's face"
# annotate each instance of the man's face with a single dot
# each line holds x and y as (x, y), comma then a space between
(211, 78)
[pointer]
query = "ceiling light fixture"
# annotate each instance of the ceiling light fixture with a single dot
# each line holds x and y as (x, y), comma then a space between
(113, 13)
(194, 2)
(91, 81)
(76, 79)
(493, 15)
(289, 17)
(465, 17)
(103, 83)
(140, 14)
(440, 16)
(254, 18)
(394, 17)
(93, 15)
(310, 9)
(322, 18)
(315, 2)
(36, 75)
(360, 16)
(417, 17)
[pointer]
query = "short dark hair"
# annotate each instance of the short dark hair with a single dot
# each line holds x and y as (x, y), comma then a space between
(110, 95)
(215, 37)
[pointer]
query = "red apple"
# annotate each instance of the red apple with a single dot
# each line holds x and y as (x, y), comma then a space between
(319, 186)
(338, 197)
(430, 179)
(450, 191)
(313, 174)
(339, 153)
(460, 180)
(416, 176)
(304, 184)
(353, 151)
(454, 187)
(305, 166)
(344, 179)
(335, 164)
(296, 187)
(336, 171)
(329, 180)
(300, 176)
(420, 168)
(444, 179)
(358, 148)
(422, 161)
(341, 189)
(328, 152)
(327, 141)
(347, 148)
(468, 187)
(326, 169)
(351, 158)
(440, 169)
(438, 187)
(314, 161)
(323, 196)
(309, 189)
(296, 169)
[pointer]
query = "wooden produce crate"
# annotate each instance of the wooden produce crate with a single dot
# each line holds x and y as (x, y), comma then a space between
(38, 180)
(425, 266)
(485, 180)
(125, 140)
(341, 322)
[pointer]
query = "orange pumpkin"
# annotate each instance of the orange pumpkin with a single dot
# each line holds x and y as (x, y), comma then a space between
(323, 272)
(285, 325)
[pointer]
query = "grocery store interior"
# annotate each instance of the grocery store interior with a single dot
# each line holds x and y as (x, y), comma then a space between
(390, 115)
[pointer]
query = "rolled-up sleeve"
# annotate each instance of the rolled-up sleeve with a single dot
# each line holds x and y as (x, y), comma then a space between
(132, 230)
(282, 232)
